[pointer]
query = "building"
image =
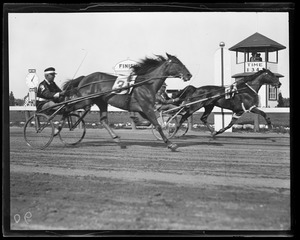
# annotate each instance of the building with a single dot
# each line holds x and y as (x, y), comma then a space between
(253, 54)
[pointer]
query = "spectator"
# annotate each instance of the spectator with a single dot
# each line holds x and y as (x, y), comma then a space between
(253, 57)
(258, 58)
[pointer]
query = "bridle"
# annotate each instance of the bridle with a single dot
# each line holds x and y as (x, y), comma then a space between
(180, 75)
(251, 88)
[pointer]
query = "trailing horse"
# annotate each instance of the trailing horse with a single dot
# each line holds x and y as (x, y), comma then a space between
(150, 75)
(241, 98)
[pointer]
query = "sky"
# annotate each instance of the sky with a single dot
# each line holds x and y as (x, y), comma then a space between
(82, 43)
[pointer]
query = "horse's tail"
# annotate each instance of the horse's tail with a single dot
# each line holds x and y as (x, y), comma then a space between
(184, 93)
(72, 83)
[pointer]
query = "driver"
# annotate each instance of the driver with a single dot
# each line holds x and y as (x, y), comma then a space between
(162, 101)
(48, 93)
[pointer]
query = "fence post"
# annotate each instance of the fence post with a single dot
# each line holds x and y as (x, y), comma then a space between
(27, 115)
(80, 124)
(132, 116)
(191, 123)
(256, 123)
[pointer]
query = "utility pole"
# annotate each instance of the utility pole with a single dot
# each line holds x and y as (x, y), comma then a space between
(222, 45)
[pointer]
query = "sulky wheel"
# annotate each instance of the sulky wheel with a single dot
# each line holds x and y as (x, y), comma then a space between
(168, 125)
(73, 129)
(38, 131)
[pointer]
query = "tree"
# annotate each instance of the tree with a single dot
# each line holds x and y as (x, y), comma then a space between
(283, 102)
(11, 99)
(19, 102)
(280, 100)
(286, 102)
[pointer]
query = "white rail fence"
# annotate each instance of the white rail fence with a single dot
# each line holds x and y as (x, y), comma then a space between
(220, 118)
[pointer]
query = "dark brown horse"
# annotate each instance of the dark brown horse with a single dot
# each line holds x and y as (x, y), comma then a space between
(151, 74)
(241, 98)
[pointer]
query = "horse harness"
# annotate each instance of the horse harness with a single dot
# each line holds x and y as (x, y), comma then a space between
(243, 105)
(232, 90)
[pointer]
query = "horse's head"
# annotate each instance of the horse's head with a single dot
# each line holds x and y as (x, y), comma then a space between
(72, 93)
(177, 68)
(186, 92)
(270, 78)
(71, 88)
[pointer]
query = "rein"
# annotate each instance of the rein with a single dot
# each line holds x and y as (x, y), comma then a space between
(133, 85)
(240, 89)
(107, 92)
(94, 95)
(95, 82)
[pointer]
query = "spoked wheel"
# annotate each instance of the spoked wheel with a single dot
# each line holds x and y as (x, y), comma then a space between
(168, 126)
(38, 131)
(73, 129)
(183, 129)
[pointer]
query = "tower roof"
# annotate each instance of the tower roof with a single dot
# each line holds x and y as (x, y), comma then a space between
(258, 43)
(245, 74)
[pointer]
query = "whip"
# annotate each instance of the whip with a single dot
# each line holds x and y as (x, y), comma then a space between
(80, 63)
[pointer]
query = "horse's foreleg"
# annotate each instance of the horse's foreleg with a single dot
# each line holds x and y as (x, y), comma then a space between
(235, 117)
(114, 136)
(264, 115)
(170, 145)
(150, 115)
(182, 120)
(205, 115)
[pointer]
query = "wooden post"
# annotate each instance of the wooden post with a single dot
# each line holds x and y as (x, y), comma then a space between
(80, 124)
(27, 115)
(256, 122)
(133, 126)
(191, 122)
(132, 116)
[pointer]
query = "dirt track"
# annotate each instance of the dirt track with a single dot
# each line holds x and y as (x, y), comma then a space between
(239, 181)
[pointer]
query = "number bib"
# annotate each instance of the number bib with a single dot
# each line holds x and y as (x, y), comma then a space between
(124, 81)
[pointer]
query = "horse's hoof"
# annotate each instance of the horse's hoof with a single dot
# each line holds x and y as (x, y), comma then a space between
(123, 146)
(213, 134)
(118, 141)
(173, 147)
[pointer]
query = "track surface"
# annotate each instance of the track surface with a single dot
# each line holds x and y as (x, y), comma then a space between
(238, 181)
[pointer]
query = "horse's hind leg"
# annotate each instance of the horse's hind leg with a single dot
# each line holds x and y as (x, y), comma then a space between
(104, 122)
(205, 115)
(263, 114)
(235, 117)
(183, 119)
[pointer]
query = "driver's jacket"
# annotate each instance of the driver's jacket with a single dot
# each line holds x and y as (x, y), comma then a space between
(46, 92)
(162, 99)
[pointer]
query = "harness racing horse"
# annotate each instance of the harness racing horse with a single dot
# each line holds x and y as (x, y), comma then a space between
(243, 97)
(150, 75)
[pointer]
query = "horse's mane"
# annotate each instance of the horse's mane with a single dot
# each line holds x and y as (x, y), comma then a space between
(72, 83)
(147, 64)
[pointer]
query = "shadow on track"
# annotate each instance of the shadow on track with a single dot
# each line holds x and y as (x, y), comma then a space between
(144, 143)
(189, 140)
